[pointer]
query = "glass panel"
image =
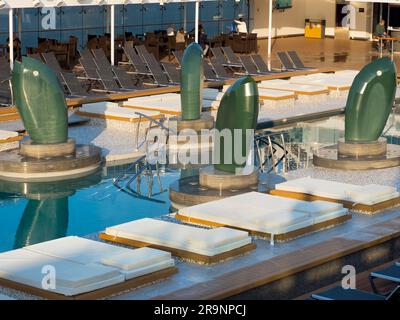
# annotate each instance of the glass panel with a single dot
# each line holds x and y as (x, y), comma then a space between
(152, 18)
(71, 24)
(134, 19)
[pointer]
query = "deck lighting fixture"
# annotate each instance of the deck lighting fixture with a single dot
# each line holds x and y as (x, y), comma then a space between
(101, 2)
(2, 4)
(60, 3)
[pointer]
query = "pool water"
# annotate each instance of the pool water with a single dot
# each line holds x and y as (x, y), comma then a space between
(37, 212)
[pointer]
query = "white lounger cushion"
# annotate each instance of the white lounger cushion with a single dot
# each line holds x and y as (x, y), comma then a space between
(285, 85)
(212, 94)
(71, 278)
(198, 240)
(331, 80)
(369, 194)
(264, 213)
(165, 105)
(130, 262)
(274, 94)
(112, 109)
(5, 134)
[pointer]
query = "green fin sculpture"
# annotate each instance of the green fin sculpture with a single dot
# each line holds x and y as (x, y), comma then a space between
(40, 101)
(238, 110)
(370, 101)
(192, 82)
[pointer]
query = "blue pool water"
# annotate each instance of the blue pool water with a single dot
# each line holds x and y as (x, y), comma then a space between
(31, 213)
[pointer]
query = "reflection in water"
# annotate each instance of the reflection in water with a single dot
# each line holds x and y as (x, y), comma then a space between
(45, 216)
(42, 220)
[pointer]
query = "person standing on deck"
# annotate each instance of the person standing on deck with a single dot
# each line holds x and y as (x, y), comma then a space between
(241, 25)
(380, 31)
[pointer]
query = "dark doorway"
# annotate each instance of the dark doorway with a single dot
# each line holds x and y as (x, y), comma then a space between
(394, 16)
(339, 14)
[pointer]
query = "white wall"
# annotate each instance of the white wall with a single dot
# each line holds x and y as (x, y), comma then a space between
(291, 21)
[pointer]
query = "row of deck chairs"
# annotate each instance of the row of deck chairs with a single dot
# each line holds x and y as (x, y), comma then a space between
(5, 89)
(391, 273)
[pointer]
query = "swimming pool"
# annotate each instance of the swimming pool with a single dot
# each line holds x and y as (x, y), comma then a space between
(37, 212)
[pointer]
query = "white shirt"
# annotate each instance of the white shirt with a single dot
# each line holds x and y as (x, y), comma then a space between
(241, 26)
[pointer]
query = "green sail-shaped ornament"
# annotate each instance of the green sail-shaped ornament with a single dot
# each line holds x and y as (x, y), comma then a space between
(39, 98)
(370, 101)
(192, 82)
(238, 110)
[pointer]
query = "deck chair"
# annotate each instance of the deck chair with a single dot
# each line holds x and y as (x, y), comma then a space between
(74, 87)
(298, 64)
(5, 85)
(178, 56)
(90, 68)
(52, 62)
(232, 58)
(219, 70)
(172, 72)
(108, 81)
(101, 60)
(250, 67)
(220, 58)
(260, 63)
(287, 64)
(135, 60)
(160, 78)
(124, 80)
(209, 73)
(338, 293)
(391, 273)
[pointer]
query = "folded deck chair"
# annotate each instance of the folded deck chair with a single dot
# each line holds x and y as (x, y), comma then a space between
(250, 67)
(193, 243)
(268, 216)
(172, 72)
(391, 273)
(339, 293)
(286, 63)
(178, 56)
(367, 198)
(232, 58)
(219, 70)
(220, 58)
(298, 64)
(135, 60)
(260, 63)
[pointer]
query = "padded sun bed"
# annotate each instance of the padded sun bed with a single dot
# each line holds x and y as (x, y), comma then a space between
(192, 243)
(84, 269)
(369, 198)
(299, 89)
(9, 136)
(270, 217)
(170, 104)
(334, 82)
(111, 111)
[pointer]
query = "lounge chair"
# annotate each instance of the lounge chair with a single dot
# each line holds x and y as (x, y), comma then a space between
(137, 63)
(391, 273)
(250, 67)
(160, 78)
(220, 58)
(172, 72)
(339, 293)
(36, 56)
(5, 84)
(193, 243)
(209, 73)
(90, 69)
(298, 64)
(178, 56)
(287, 64)
(109, 82)
(268, 216)
(74, 87)
(260, 63)
(219, 70)
(232, 58)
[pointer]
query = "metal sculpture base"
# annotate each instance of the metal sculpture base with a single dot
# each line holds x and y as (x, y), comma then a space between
(49, 162)
(209, 177)
(358, 156)
(206, 122)
(189, 192)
